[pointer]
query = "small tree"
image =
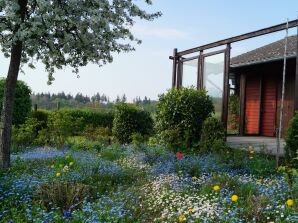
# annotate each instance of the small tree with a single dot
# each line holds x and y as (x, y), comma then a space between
(180, 115)
(60, 33)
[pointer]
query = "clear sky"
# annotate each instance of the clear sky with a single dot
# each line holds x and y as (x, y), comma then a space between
(184, 24)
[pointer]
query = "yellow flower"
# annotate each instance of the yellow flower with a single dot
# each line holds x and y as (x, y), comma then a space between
(290, 202)
(99, 155)
(190, 210)
(251, 151)
(71, 163)
(53, 166)
(251, 157)
(182, 218)
(234, 198)
(58, 174)
(250, 147)
(194, 178)
(180, 171)
(216, 188)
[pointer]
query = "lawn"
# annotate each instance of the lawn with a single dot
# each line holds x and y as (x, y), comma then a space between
(144, 184)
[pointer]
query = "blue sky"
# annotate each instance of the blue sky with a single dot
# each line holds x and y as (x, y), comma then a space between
(184, 24)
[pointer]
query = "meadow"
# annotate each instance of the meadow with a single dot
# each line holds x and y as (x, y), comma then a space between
(144, 184)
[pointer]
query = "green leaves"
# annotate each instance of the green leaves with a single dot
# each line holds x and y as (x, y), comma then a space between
(70, 32)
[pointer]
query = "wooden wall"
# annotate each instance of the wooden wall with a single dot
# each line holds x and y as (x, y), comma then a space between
(274, 70)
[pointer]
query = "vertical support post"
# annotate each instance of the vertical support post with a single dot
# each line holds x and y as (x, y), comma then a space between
(58, 105)
(242, 104)
(224, 116)
(174, 74)
(35, 107)
(179, 72)
(200, 71)
(296, 79)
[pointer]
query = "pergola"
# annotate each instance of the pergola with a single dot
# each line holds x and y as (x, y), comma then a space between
(180, 57)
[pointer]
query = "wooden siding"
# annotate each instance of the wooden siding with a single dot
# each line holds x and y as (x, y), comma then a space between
(252, 105)
(269, 93)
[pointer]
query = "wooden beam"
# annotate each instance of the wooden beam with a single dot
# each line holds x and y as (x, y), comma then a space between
(201, 71)
(179, 72)
(242, 104)
(296, 79)
(174, 74)
(225, 103)
(245, 36)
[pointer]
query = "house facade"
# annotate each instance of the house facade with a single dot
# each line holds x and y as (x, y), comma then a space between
(255, 77)
(258, 76)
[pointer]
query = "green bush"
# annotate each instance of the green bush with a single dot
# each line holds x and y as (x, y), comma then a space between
(21, 104)
(97, 133)
(60, 126)
(42, 117)
(130, 119)
(291, 147)
(180, 115)
(25, 134)
(94, 118)
(213, 135)
(83, 143)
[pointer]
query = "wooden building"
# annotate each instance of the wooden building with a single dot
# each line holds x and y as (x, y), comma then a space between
(256, 76)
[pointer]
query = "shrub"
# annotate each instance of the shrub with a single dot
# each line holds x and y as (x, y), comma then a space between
(21, 104)
(42, 117)
(60, 126)
(94, 118)
(213, 135)
(83, 143)
(292, 141)
(63, 195)
(180, 115)
(130, 119)
(97, 133)
(26, 133)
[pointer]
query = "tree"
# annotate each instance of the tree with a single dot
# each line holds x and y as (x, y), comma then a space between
(61, 33)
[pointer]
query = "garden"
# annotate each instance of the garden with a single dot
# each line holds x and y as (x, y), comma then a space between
(129, 165)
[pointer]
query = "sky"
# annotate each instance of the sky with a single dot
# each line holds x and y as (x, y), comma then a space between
(184, 24)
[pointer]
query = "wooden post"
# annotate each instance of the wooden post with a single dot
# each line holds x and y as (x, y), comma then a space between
(296, 78)
(35, 107)
(200, 71)
(224, 116)
(58, 105)
(174, 74)
(242, 104)
(179, 72)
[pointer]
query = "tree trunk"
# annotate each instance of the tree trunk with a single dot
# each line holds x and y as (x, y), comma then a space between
(9, 90)
(6, 114)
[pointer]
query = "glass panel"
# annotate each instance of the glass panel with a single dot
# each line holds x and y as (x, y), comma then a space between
(190, 73)
(213, 80)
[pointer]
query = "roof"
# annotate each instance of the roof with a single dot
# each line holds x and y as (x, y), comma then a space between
(271, 52)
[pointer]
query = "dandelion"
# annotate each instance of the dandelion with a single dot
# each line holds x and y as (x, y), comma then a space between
(190, 210)
(179, 155)
(53, 166)
(252, 152)
(290, 202)
(250, 147)
(216, 188)
(251, 157)
(194, 178)
(71, 163)
(58, 174)
(234, 198)
(182, 218)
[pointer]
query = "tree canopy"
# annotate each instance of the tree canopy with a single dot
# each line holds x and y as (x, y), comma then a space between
(69, 32)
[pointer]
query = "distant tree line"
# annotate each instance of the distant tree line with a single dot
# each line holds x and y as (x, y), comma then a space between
(50, 101)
